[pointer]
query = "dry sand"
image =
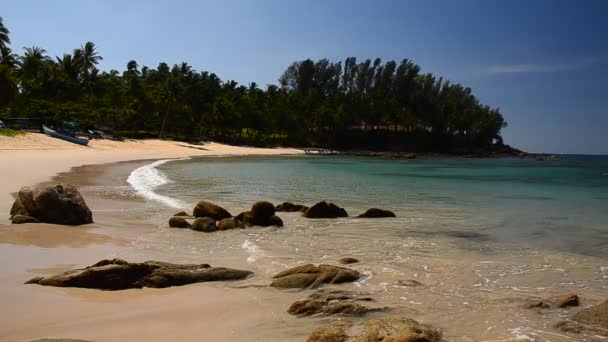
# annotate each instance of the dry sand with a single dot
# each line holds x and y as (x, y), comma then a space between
(200, 312)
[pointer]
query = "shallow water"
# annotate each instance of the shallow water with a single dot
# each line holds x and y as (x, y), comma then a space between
(483, 236)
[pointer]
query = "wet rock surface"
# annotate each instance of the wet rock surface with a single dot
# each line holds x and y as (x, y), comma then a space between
(117, 274)
(230, 223)
(21, 219)
(592, 320)
(178, 222)
(334, 302)
(348, 260)
(394, 329)
(208, 209)
(204, 224)
(409, 282)
(311, 276)
(325, 210)
(290, 207)
(559, 301)
(377, 213)
(261, 214)
(56, 203)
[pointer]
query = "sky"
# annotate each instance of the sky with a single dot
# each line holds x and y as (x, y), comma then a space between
(543, 63)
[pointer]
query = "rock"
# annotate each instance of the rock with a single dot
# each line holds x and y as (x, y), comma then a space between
(346, 261)
(181, 213)
(117, 274)
(178, 222)
(325, 210)
(53, 203)
(397, 329)
(20, 219)
(331, 303)
(207, 209)
(311, 276)
(409, 282)
(230, 223)
(377, 213)
(560, 301)
(262, 209)
(276, 221)
(592, 320)
(204, 224)
(290, 207)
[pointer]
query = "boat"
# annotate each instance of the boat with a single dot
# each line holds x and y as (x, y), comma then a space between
(52, 133)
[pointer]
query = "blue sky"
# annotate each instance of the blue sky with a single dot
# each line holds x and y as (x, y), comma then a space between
(544, 63)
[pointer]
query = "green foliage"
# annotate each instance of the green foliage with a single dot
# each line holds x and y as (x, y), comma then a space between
(7, 132)
(321, 103)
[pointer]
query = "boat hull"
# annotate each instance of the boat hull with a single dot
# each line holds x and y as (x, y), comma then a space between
(52, 133)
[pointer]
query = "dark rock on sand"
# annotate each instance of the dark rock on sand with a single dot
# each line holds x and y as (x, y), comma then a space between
(325, 210)
(117, 274)
(383, 329)
(261, 214)
(178, 222)
(409, 282)
(311, 276)
(331, 303)
(53, 203)
(181, 213)
(20, 219)
(207, 209)
(230, 223)
(559, 301)
(204, 224)
(348, 260)
(377, 213)
(592, 320)
(290, 207)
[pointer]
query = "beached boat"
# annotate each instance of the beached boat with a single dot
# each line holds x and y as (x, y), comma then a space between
(52, 133)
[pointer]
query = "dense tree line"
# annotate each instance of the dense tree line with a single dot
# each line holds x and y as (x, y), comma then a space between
(322, 103)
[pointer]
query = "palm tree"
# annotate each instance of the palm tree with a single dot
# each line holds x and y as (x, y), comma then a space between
(8, 85)
(87, 57)
(4, 32)
(7, 57)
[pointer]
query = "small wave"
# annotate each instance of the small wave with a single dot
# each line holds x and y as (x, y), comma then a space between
(253, 250)
(147, 178)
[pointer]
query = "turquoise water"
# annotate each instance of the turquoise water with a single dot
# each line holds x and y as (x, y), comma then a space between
(551, 204)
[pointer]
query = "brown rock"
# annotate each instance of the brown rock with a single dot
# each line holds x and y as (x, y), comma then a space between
(204, 224)
(250, 218)
(290, 207)
(592, 320)
(331, 303)
(262, 209)
(377, 213)
(178, 222)
(325, 210)
(181, 213)
(348, 260)
(53, 203)
(207, 209)
(230, 223)
(118, 274)
(397, 329)
(559, 301)
(20, 219)
(311, 276)
(409, 282)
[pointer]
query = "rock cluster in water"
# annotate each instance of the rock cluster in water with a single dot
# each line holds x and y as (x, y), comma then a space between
(311, 276)
(117, 274)
(51, 203)
(332, 303)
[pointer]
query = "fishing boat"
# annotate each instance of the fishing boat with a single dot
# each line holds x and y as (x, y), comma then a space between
(52, 133)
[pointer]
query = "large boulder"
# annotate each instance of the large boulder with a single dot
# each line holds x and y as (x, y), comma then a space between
(204, 224)
(53, 203)
(230, 223)
(325, 210)
(118, 274)
(261, 214)
(377, 213)
(207, 209)
(331, 303)
(592, 320)
(290, 207)
(178, 222)
(262, 209)
(311, 276)
(383, 329)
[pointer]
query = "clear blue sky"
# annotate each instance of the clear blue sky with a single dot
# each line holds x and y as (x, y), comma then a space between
(544, 63)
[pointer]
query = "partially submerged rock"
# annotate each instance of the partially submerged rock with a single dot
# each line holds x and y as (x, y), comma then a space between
(559, 301)
(204, 224)
(117, 274)
(311, 276)
(181, 213)
(348, 260)
(208, 209)
(409, 282)
(53, 203)
(230, 223)
(377, 213)
(261, 214)
(331, 303)
(592, 320)
(178, 222)
(325, 210)
(385, 329)
(290, 207)
(21, 219)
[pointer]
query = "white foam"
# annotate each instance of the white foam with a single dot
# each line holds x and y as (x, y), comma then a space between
(147, 178)
(253, 250)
